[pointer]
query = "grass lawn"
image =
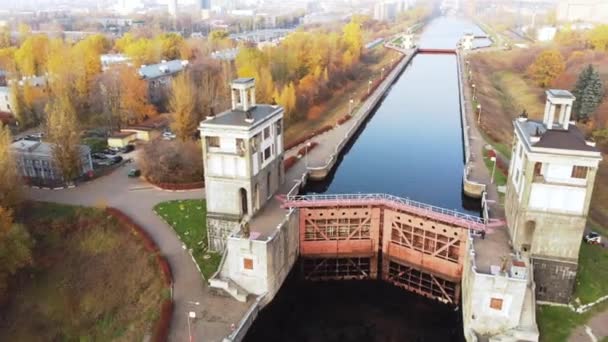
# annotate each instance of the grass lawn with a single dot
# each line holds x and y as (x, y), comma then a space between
(91, 280)
(557, 323)
(592, 276)
(187, 217)
(499, 177)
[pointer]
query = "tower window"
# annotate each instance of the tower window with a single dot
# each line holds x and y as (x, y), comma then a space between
(248, 263)
(579, 172)
(266, 153)
(537, 169)
(266, 132)
(213, 141)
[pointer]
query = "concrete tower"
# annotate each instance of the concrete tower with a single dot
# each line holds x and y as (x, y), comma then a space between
(243, 161)
(549, 188)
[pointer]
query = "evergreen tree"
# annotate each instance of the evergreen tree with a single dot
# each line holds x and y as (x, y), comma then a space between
(589, 92)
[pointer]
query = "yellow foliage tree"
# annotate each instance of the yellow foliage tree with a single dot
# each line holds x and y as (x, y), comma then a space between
(31, 57)
(10, 184)
(134, 105)
(598, 37)
(547, 67)
(287, 100)
(182, 103)
(63, 131)
(353, 38)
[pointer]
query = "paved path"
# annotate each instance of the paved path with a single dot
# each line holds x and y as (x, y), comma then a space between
(596, 327)
(479, 172)
(137, 198)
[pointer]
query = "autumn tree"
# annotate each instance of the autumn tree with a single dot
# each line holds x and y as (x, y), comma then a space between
(353, 38)
(15, 248)
(182, 103)
(31, 57)
(5, 37)
(134, 104)
(589, 92)
(251, 62)
(287, 99)
(547, 66)
(598, 37)
(64, 133)
(10, 185)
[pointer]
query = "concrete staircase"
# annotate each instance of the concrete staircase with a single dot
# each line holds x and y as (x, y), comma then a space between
(231, 287)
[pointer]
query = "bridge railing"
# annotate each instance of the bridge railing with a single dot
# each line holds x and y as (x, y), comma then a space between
(345, 199)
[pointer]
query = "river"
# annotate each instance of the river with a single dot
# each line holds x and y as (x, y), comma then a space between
(410, 147)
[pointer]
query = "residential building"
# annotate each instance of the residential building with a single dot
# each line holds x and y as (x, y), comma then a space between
(35, 161)
(389, 9)
(551, 178)
(108, 60)
(583, 10)
(243, 161)
(159, 77)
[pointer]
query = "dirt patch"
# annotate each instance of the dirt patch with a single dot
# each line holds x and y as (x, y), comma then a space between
(91, 280)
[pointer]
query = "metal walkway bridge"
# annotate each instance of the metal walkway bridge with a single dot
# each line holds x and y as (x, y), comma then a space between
(447, 216)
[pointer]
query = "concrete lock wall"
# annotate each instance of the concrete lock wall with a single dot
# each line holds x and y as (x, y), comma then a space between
(272, 259)
(478, 290)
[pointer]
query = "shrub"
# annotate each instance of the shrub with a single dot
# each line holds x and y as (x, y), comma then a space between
(161, 329)
(172, 162)
(343, 119)
(289, 162)
(308, 137)
(305, 150)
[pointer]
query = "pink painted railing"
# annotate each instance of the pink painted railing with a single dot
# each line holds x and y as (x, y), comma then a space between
(422, 209)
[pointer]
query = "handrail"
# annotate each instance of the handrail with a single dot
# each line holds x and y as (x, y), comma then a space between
(346, 198)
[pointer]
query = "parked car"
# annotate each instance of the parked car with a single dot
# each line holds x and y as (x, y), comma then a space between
(593, 238)
(116, 159)
(127, 149)
(31, 137)
(109, 151)
(104, 162)
(134, 173)
(169, 135)
(99, 156)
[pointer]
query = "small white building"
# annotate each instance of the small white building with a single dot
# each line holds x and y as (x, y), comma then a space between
(5, 100)
(243, 161)
(546, 33)
(466, 43)
(108, 60)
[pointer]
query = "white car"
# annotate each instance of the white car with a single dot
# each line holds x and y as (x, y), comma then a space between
(169, 136)
(593, 238)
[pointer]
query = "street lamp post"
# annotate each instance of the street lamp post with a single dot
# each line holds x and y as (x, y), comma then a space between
(493, 159)
(191, 315)
(474, 88)
(479, 113)
(382, 74)
(350, 107)
(306, 154)
(369, 86)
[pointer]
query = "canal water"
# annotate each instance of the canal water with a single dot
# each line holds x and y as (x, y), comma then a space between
(410, 147)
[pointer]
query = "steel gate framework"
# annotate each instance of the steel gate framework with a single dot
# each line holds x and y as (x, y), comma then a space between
(409, 244)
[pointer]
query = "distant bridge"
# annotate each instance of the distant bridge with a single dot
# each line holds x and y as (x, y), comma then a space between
(437, 51)
(412, 245)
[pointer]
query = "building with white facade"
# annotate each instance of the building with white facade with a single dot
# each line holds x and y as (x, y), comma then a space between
(551, 178)
(243, 161)
(35, 161)
(107, 60)
(389, 9)
(583, 10)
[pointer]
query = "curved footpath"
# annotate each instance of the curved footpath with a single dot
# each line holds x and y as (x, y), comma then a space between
(215, 314)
